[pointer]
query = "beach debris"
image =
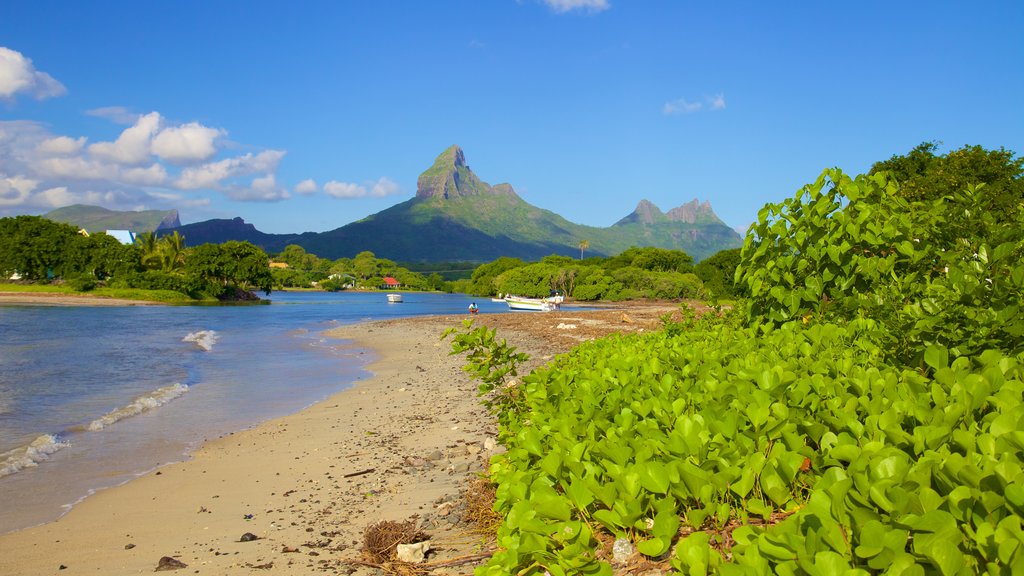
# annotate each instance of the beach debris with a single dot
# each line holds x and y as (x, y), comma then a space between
(248, 537)
(381, 540)
(129, 546)
(563, 326)
(490, 444)
(622, 550)
(168, 563)
(62, 567)
(479, 506)
(360, 473)
(626, 319)
(288, 550)
(247, 517)
(414, 553)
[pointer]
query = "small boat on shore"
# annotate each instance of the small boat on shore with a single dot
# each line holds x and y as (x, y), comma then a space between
(394, 298)
(549, 304)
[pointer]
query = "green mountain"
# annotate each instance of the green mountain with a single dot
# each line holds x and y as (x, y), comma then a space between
(457, 216)
(97, 219)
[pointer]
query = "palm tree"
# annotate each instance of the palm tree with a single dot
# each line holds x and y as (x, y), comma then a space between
(150, 245)
(584, 244)
(173, 248)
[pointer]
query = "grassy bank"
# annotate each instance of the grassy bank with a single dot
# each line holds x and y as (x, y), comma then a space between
(163, 296)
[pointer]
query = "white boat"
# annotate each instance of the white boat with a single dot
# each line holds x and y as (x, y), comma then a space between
(394, 298)
(535, 304)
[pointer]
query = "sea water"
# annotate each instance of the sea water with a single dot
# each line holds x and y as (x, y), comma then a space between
(91, 397)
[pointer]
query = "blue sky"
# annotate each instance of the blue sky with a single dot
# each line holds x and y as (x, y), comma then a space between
(305, 116)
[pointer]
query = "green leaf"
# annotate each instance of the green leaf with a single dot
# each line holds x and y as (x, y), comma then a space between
(936, 356)
(653, 547)
(654, 476)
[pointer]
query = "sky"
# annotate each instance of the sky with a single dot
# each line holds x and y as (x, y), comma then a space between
(305, 116)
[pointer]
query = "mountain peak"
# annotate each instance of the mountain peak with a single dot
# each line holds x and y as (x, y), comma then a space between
(694, 212)
(450, 177)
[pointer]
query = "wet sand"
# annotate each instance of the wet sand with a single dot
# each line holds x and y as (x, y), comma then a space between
(401, 444)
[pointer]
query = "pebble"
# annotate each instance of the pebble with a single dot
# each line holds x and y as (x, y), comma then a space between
(168, 563)
(248, 537)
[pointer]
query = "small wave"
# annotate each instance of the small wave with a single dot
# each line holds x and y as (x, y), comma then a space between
(205, 339)
(29, 455)
(154, 399)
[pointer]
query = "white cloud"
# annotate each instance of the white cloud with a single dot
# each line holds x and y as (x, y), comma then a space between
(345, 190)
(306, 187)
(133, 145)
(337, 189)
(187, 143)
(563, 6)
(262, 189)
(153, 175)
(680, 106)
(18, 75)
(14, 190)
(212, 174)
(152, 163)
(179, 200)
(76, 168)
(384, 187)
(116, 114)
(61, 146)
(684, 106)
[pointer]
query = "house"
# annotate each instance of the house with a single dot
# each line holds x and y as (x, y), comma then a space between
(390, 282)
(123, 236)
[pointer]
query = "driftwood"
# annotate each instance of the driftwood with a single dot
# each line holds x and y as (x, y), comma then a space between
(360, 473)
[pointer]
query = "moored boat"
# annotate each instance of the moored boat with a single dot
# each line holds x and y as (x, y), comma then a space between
(394, 298)
(533, 304)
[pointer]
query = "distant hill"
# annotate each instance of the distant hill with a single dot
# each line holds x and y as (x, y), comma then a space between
(457, 216)
(97, 219)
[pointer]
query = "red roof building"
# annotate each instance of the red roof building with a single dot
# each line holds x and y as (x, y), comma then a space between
(391, 282)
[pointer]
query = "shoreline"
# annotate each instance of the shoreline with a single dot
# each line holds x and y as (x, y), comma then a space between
(415, 425)
(57, 299)
(402, 443)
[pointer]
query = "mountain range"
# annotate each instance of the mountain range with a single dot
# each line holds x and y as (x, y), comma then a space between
(97, 219)
(455, 216)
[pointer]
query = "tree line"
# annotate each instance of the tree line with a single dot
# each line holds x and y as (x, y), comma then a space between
(35, 249)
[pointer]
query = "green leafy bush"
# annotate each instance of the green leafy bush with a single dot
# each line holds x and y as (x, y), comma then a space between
(801, 447)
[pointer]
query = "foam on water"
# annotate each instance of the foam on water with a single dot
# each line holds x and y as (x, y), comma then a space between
(205, 339)
(143, 403)
(30, 454)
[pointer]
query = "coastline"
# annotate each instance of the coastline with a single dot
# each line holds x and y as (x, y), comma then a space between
(400, 444)
(51, 299)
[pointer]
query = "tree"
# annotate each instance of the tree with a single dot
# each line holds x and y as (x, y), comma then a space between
(914, 274)
(172, 251)
(365, 265)
(584, 244)
(718, 272)
(150, 244)
(34, 247)
(923, 176)
(238, 264)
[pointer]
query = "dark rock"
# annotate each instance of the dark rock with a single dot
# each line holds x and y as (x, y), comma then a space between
(168, 563)
(129, 546)
(248, 537)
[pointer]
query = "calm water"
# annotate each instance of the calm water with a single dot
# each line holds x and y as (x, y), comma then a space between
(91, 397)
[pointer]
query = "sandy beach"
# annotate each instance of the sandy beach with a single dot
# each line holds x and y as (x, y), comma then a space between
(294, 495)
